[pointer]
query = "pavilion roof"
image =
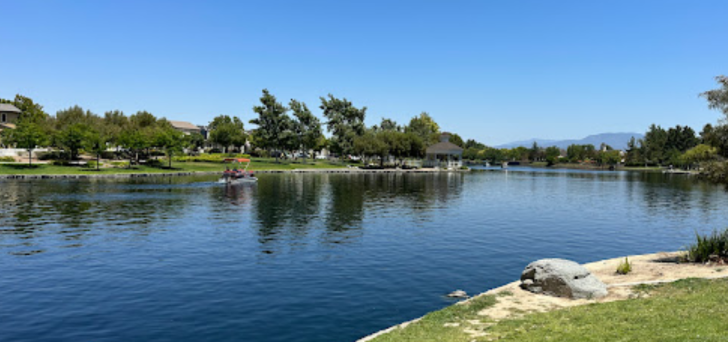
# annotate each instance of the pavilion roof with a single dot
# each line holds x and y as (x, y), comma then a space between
(444, 147)
(6, 107)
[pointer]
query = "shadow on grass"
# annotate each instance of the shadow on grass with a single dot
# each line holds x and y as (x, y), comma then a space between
(21, 166)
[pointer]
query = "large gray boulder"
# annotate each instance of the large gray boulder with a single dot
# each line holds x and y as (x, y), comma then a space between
(561, 278)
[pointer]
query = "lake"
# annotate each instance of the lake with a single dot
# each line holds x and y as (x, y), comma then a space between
(310, 257)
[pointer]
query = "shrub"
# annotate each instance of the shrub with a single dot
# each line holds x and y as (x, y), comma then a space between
(50, 155)
(624, 267)
(91, 164)
(154, 163)
(260, 153)
(61, 162)
(713, 247)
(716, 172)
(8, 159)
(119, 164)
(108, 155)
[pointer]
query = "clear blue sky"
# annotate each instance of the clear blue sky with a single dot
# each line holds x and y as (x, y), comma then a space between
(496, 71)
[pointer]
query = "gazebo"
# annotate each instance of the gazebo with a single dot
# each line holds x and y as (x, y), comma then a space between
(444, 154)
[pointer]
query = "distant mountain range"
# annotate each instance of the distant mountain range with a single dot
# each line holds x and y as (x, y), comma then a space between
(618, 141)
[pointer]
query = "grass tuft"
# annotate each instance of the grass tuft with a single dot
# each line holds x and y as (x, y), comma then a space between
(624, 267)
(713, 247)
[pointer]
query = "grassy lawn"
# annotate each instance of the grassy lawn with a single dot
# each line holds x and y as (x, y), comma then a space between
(687, 310)
(257, 164)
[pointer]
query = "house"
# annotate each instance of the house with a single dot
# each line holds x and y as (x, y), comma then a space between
(9, 114)
(185, 127)
(444, 154)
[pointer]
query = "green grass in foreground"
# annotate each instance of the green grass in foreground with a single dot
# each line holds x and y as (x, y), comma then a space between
(257, 164)
(687, 310)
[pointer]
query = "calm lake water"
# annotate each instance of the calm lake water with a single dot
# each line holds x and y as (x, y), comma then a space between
(309, 257)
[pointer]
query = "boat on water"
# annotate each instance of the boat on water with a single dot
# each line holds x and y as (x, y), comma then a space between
(238, 174)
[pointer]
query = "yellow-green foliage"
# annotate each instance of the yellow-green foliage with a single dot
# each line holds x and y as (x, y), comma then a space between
(7, 159)
(624, 267)
(209, 157)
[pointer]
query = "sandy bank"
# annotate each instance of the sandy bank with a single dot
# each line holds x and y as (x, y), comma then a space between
(646, 269)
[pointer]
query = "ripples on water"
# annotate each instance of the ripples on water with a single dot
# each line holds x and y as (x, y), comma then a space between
(309, 257)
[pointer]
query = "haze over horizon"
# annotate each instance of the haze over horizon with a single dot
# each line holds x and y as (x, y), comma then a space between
(494, 72)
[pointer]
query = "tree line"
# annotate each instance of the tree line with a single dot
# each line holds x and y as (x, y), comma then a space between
(279, 129)
(679, 146)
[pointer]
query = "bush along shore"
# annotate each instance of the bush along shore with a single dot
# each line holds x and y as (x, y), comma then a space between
(184, 168)
(676, 296)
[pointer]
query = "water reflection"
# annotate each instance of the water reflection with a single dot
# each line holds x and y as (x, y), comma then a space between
(301, 209)
(288, 207)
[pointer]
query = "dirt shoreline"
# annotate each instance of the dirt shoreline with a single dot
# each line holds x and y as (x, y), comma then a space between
(646, 269)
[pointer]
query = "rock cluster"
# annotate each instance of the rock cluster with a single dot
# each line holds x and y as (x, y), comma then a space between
(561, 278)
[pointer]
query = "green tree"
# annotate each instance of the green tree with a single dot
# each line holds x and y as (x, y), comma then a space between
(227, 131)
(133, 140)
(27, 135)
(344, 121)
(494, 155)
(389, 125)
(470, 143)
(114, 123)
(577, 153)
(699, 154)
(608, 157)
(654, 144)
(681, 138)
(718, 98)
(143, 119)
(370, 145)
(633, 155)
(30, 109)
(398, 144)
(306, 127)
(72, 138)
(425, 127)
(272, 122)
(171, 140)
(535, 153)
(552, 155)
(416, 146)
(471, 153)
(194, 141)
(95, 142)
(457, 140)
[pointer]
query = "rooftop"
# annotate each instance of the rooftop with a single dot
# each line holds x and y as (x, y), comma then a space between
(6, 107)
(183, 125)
(444, 147)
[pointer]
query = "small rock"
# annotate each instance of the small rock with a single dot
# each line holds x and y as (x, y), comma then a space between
(458, 294)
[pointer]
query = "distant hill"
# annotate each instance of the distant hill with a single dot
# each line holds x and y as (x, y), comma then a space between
(616, 140)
